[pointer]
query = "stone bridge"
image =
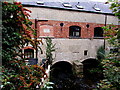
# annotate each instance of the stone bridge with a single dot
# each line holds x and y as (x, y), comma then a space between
(79, 67)
(76, 54)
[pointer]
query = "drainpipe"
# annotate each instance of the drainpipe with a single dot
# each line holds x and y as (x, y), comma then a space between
(36, 36)
(105, 19)
(105, 25)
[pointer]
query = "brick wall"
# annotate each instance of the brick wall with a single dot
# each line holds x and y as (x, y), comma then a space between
(52, 28)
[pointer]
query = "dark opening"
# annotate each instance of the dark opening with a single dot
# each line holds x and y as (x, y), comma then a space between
(33, 61)
(74, 31)
(114, 50)
(91, 70)
(85, 52)
(60, 67)
(61, 24)
(98, 32)
(61, 75)
(28, 53)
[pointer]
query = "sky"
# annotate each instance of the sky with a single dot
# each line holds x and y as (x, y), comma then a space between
(99, 0)
(64, 0)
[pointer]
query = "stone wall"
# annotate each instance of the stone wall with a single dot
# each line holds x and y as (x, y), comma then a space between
(73, 49)
(72, 16)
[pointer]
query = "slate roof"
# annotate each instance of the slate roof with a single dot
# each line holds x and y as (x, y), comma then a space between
(88, 5)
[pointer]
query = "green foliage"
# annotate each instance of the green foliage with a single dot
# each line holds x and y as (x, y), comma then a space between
(101, 53)
(16, 29)
(111, 34)
(116, 8)
(13, 19)
(49, 49)
(111, 62)
(27, 77)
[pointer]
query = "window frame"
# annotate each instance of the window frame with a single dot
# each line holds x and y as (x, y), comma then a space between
(73, 32)
(28, 53)
(99, 34)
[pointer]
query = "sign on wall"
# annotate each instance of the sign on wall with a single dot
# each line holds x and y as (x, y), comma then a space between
(46, 30)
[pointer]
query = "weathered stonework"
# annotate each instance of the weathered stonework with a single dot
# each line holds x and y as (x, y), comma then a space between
(78, 68)
(69, 49)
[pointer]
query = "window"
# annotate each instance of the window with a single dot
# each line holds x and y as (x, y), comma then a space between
(97, 9)
(98, 32)
(114, 50)
(85, 52)
(29, 53)
(40, 2)
(74, 31)
(67, 5)
(79, 7)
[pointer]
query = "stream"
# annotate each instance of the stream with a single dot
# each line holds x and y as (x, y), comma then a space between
(64, 79)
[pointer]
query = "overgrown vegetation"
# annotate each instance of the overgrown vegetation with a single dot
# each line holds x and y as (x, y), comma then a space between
(16, 32)
(111, 62)
(101, 53)
(100, 56)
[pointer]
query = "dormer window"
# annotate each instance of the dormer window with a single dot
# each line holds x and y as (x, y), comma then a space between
(79, 7)
(40, 2)
(67, 5)
(97, 9)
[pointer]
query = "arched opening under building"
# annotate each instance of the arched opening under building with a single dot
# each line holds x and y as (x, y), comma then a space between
(74, 31)
(61, 67)
(92, 70)
(61, 74)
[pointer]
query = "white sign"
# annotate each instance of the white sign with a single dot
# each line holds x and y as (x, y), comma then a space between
(46, 30)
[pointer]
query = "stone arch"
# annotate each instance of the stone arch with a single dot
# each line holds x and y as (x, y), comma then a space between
(89, 60)
(62, 61)
(61, 67)
(88, 65)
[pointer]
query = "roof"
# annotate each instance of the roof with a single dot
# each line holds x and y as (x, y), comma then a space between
(86, 6)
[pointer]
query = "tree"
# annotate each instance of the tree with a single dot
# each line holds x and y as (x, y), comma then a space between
(49, 49)
(111, 63)
(16, 31)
